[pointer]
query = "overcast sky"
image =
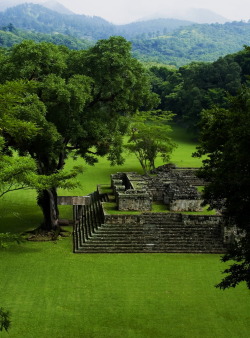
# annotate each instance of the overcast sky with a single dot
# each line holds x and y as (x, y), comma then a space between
(123, 11)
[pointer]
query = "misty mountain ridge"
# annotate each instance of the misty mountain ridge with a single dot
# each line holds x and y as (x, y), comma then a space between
(166, 41)
(35, 17)
(57, 7)
(50, 4)
(196, 15)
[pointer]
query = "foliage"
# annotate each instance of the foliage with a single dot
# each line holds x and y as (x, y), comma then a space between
(9, 38)
(20, 113)
(6, 239)
(149, 137)
(148, 29)
(225, 139)
(198, 42)
(81, 103)
(197, 86)
(15, 171)
(4, 319)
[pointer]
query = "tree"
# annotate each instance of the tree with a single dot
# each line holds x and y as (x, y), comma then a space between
(86, 96)
(149, 137)
(225, 139)
(14, 171)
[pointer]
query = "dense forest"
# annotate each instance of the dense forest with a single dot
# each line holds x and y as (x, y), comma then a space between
(9, 36)
(199, 85)
(194, 43)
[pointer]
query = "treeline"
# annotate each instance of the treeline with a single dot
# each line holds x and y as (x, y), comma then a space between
(9, 36)
(190, 89)
(185, 91)
(194, 43)
(150, 28)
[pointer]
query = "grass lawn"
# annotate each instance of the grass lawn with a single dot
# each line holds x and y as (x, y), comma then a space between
(53, 293)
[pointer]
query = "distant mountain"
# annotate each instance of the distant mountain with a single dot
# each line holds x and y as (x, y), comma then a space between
(56, 6)
(199, 42)
(168, 41)
(9, 36)
(51, 4)
(150, 28)
(34, 17)
(38, 18)
(196, 15)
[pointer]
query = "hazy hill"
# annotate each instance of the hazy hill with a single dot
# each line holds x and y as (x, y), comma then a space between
(166, 41)
(38, 18)
(56, 6)
(9, 35)
(194, 43)
(196, 15)
(154, 27)
(51, 4)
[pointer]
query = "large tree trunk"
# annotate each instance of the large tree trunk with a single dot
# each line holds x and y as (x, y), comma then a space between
(47, 200)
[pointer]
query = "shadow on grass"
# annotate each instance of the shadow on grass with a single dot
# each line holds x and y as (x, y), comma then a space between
(17, 249)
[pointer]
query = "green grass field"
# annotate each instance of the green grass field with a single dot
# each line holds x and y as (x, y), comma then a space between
(54, 293)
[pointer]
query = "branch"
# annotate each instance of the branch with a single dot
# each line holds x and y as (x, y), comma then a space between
(98, 98)
(14, 189)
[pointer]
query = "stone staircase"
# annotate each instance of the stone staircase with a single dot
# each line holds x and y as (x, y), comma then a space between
(152, 233)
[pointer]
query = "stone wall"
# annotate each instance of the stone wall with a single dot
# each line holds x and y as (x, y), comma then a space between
(134, 200)
(129, 192)
(165, 218)
(170, 232)
(172, 173)
(185, 205)
(181, 196)
(171, 185)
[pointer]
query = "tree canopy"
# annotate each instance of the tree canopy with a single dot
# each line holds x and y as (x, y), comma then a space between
(225, 139)
(81, 101)
(149, 137)
(190, 89)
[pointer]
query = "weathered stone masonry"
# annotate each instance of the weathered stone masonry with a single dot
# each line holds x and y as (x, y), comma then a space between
(147, 231)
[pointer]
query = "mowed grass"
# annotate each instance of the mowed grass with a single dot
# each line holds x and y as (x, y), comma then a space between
(54, 293)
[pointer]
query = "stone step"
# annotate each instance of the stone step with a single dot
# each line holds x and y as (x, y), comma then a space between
(150, 243)
(158, 233)
(143, 228)
(151, 247)
(147, 250)
(108, 227)
(174, 234)
(152, 239)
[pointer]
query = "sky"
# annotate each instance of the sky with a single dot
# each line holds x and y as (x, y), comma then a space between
(124, 11)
